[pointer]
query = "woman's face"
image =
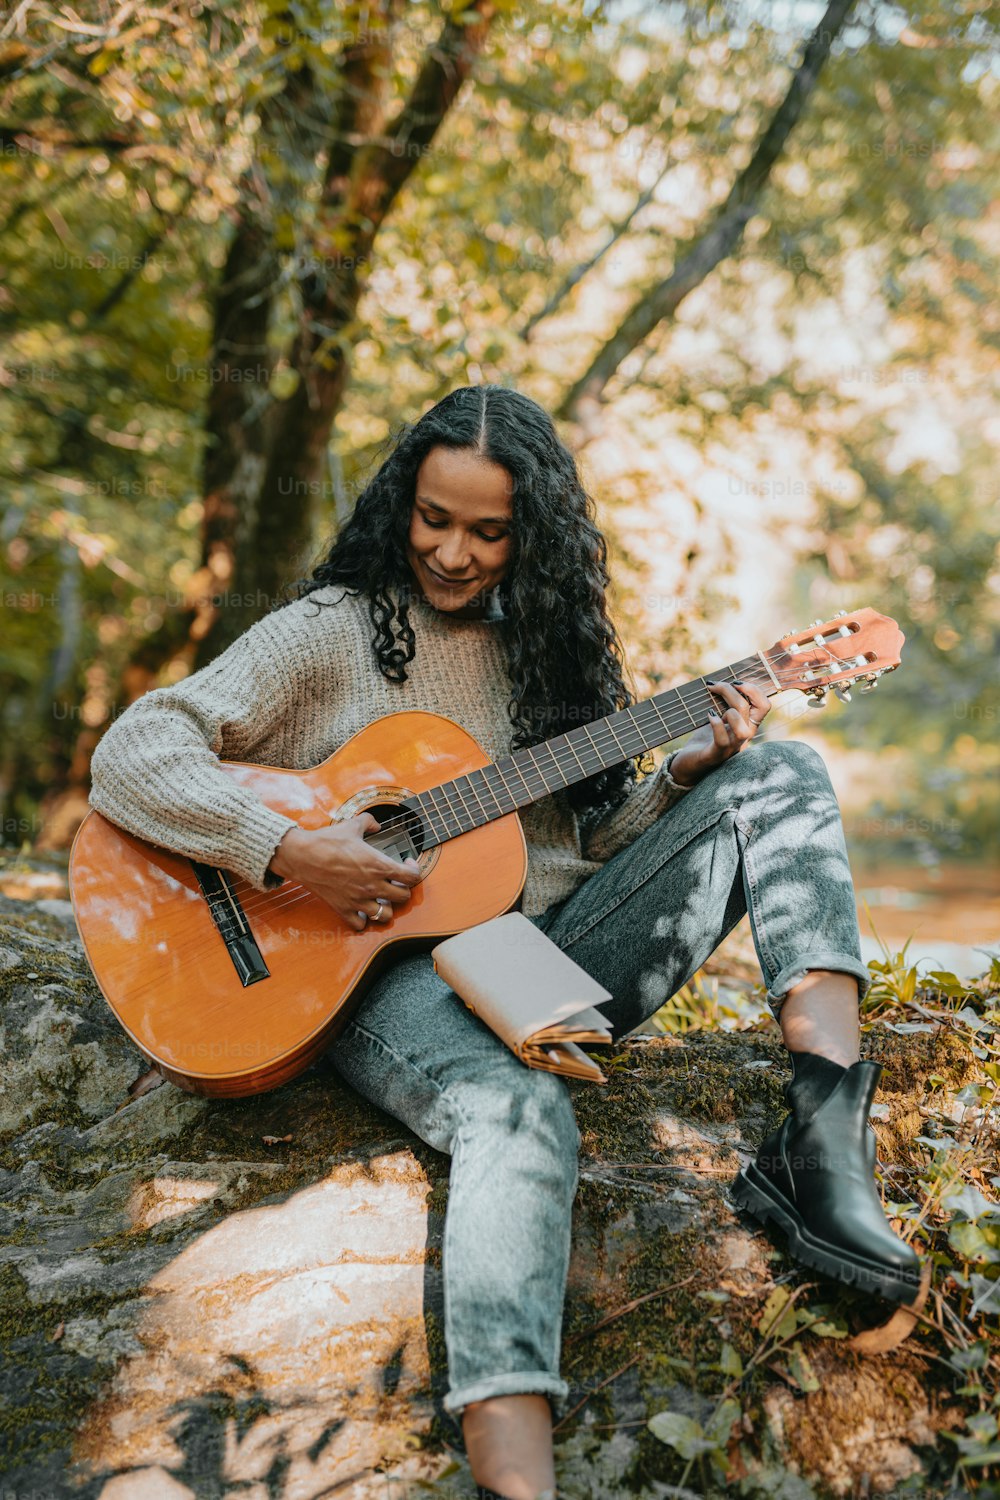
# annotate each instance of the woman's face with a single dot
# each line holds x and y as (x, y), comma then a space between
(460, 529)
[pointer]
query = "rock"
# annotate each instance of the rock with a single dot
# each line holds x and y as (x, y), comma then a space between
(194, 1304)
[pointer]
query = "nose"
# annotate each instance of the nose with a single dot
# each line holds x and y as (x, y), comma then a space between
(453, 555)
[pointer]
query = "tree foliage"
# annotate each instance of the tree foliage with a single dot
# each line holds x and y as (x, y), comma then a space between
(241, 245)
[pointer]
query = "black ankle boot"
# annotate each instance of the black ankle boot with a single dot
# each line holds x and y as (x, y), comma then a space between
(815, 1180)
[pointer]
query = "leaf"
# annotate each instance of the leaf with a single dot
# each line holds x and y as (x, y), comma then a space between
(969, 1203)
(800, 1368)
(722, 1421)
(775, 1320)
(986, 1294)
(973, 1460)
(683, 1434)
(972, 1243)
(829, 1328)
(972, 1020)
(730, 1362)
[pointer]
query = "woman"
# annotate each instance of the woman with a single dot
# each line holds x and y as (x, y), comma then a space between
(470, 581)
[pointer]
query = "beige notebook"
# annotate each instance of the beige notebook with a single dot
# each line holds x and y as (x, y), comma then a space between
(526, 989)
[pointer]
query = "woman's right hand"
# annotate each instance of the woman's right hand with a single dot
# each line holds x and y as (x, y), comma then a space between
(345, 872)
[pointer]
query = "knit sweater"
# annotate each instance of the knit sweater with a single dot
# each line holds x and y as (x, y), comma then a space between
(292, 690)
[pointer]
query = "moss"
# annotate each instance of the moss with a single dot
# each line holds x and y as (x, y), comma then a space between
(47, 1387)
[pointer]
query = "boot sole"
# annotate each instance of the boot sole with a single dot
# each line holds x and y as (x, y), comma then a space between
(752, 1192)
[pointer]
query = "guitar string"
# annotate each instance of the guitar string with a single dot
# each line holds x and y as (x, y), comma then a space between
(279, 900)
(409, 820)
(532, 775)
(274, 899)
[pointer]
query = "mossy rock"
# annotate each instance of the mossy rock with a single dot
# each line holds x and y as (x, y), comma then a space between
(185, 1310)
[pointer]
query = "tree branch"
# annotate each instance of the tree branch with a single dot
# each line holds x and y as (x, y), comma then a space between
(618, 231)
(720, 238)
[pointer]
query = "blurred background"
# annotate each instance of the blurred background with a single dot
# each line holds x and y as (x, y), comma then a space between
(745, 253)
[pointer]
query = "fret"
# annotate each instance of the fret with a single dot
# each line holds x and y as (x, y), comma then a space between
(579, 762)
(593, 749)
(656, 709)
(484, 773)
(611, 730)
(449, 811)
(515, 761)
(472, 800)
(430, 816)
(467, 811)
(472, 787)
(548, 750)
(627, 717)
(683, 704)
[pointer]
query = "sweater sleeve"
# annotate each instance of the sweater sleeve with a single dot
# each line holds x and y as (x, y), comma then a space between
(603, 835)
(156, 771)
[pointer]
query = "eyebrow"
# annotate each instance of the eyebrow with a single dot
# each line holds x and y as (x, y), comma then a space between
(479, 521)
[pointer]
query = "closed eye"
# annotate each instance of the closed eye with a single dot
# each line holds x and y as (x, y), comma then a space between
(437, 525)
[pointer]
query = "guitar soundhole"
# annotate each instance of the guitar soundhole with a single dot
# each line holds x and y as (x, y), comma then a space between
(401, 826)
(403, 833)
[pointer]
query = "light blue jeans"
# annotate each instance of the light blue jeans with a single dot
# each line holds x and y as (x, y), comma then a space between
(760, 834)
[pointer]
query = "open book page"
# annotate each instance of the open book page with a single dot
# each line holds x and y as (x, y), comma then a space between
(538, 1000)
(565, 1058)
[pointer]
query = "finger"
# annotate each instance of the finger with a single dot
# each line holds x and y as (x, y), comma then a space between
(727, 695)
(760, 703)
(742, 730)
(391, 869)
(395, 893)
(737, 716)
(720, 730)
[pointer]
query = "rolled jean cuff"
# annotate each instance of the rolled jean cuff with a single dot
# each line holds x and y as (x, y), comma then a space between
(527, 1383)
(844, 963)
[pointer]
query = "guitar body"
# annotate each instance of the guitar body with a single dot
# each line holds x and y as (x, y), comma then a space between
(171, 972)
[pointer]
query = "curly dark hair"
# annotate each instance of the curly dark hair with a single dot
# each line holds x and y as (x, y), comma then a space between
(564, 657)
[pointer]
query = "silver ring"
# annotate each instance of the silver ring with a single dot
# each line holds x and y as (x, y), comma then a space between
(381, 902)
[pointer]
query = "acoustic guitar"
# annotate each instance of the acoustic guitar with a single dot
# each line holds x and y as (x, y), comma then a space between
(231, 991)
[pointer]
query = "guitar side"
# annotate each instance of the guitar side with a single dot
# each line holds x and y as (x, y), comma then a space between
(164, 966)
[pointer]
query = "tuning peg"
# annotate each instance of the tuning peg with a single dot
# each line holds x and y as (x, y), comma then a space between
(843, 693)
(868, 685)
(817, 700)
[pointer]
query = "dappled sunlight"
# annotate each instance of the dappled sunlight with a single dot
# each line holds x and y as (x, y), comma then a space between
(166, 1198)
(284, 1348)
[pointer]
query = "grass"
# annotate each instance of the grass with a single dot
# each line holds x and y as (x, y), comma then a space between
(941, 1195)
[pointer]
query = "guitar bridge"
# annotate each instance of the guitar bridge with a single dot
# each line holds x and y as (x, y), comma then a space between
(230, 919)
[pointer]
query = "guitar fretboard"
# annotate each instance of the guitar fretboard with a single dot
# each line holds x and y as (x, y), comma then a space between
(528, 775)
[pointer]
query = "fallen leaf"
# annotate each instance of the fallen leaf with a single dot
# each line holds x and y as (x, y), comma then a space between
(275, 1140)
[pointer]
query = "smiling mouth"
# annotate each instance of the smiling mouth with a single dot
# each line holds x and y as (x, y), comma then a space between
(449, 582)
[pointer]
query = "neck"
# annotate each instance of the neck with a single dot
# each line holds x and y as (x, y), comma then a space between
(528, 775)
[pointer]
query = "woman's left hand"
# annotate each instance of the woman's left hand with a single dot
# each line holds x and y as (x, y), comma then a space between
(725, 734)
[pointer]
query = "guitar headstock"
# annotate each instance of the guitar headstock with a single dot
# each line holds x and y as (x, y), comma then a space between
(855, 646)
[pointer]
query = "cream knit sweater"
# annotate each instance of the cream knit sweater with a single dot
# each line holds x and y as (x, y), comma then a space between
(289, 692)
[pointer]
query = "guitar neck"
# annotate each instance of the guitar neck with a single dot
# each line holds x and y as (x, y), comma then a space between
(528, 775)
